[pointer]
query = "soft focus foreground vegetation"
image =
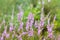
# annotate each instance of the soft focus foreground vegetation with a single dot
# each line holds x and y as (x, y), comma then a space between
(7, 7)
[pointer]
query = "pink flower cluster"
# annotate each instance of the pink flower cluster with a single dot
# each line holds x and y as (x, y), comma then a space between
(29, 27)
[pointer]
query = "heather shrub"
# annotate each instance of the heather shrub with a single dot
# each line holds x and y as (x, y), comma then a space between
(37, 21)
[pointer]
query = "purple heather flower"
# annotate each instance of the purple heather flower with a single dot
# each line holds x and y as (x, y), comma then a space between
(42, 23)
(31, 18)
(39, 31)
(39, 28)
(49, 28)
(27, 25)
(7, 35)
(11, 27)
(50, 35)
(21, 26)
(20, 15)
(30, 32)
(24, 33)
(2, 38)
(29, 21)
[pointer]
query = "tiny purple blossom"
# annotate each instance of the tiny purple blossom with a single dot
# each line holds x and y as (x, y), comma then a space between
(2, 38)
(21, 26)
(7, 35)
(50, 35)
(30, 33)
(39, 31)
(11, 27)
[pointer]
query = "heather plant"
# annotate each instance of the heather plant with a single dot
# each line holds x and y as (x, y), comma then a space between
(41, 28)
